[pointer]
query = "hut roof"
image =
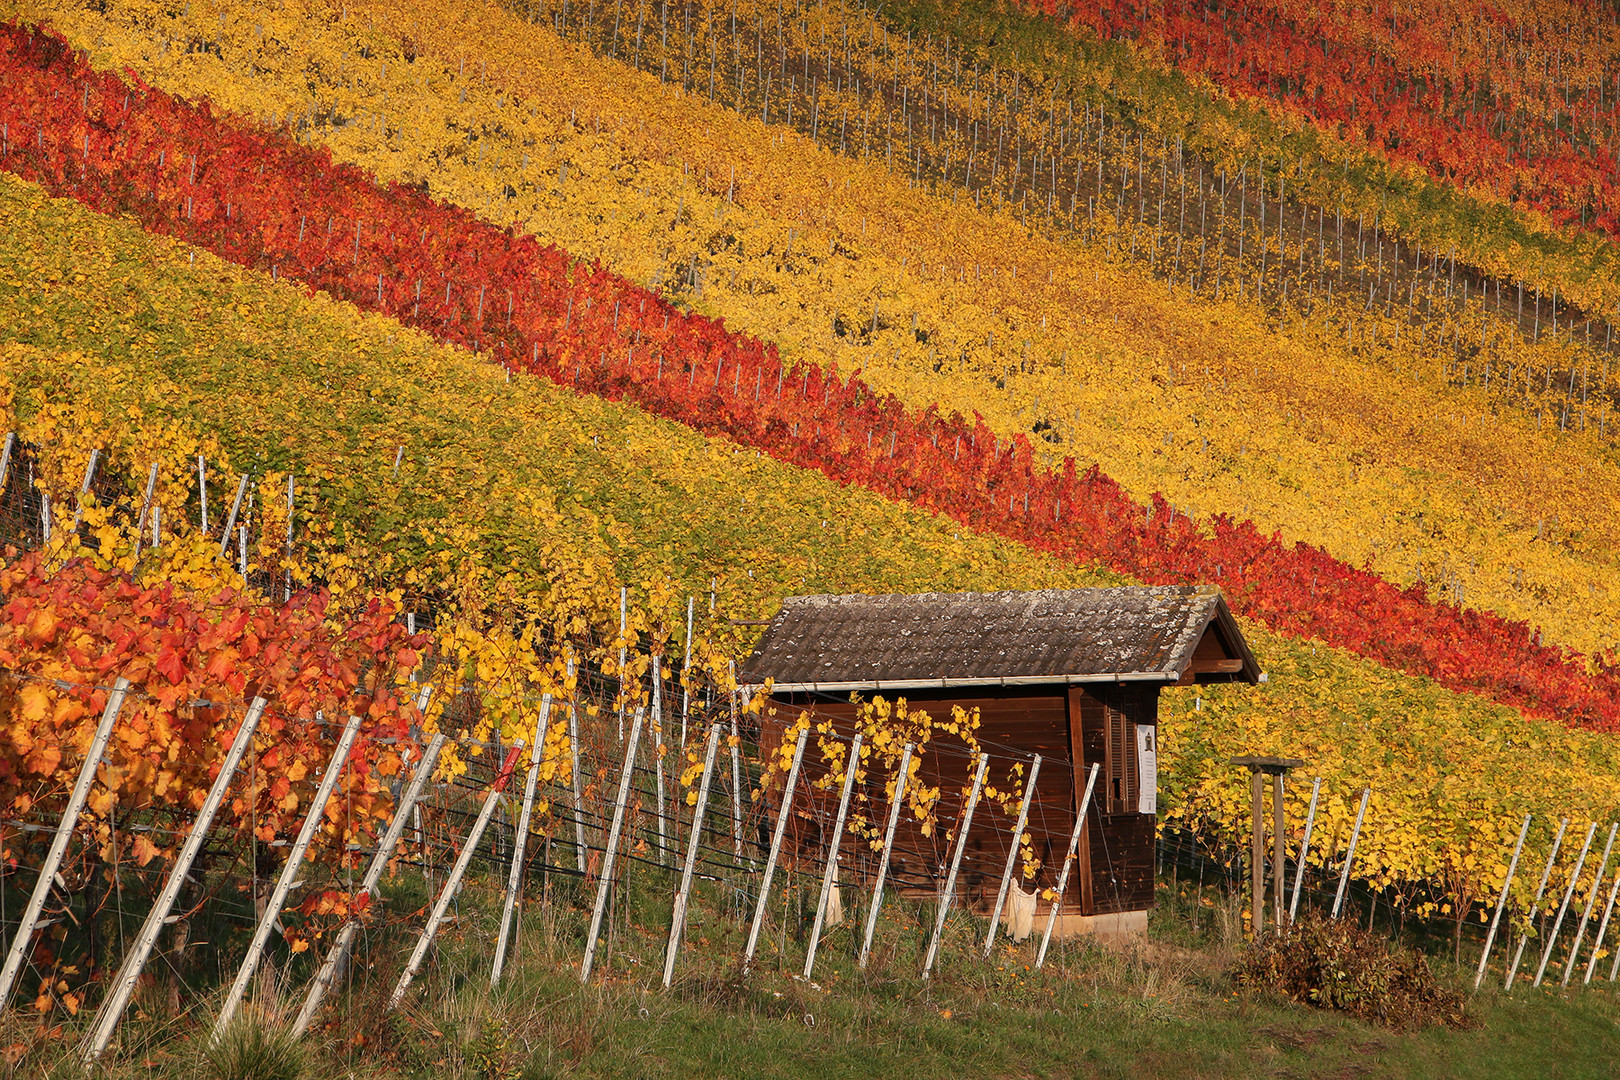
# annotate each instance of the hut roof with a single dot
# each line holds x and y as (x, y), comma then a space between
(1154, 633)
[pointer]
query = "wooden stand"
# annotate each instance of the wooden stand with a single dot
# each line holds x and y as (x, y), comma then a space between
(1259, 768)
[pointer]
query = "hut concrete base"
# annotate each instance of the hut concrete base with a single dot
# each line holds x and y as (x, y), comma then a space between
(1116, 929)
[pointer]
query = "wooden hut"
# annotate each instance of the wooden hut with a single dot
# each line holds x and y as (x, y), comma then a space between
(1072, 675)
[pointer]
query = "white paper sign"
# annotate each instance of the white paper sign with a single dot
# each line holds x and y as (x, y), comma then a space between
(1147, 769)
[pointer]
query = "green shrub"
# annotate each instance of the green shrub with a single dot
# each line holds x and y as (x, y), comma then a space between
(1333, 964)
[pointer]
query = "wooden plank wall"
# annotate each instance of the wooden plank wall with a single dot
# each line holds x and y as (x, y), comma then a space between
(1117, 875)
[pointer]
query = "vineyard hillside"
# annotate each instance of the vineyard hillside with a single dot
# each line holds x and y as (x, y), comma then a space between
(1429, 465)
(415, 412)
(544, 499)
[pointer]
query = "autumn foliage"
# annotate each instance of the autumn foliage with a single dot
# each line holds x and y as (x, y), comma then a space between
(195, 658)
(262, 200)
(1514, 106)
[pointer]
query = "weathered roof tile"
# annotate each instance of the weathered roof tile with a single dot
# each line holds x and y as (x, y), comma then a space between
(1072, 635)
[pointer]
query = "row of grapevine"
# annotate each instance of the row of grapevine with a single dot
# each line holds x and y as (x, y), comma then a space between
(1079, 161)
(1534, 142)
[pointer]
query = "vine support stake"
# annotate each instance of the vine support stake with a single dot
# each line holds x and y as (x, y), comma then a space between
(5, 460)
(776, 849)
(84, 488)
(896, 797)
(686, 672)
(658, 761)
(736, 776)
(514, 877)
(289, 874)
(123, 984)
(829, 876)
(230, 519)
(146, 507)
(1304, 850)
(1012, 854)
(677, 922)
(1541, 889)
(1563, 905)
(573, 767)
(452, 884)
(1580, 932)
(1068, 864)
(64, 833)
(1350, 855)
(338, 954)
(611, 848)
(956, 865)
(624, 619)
(1603, 928)
(1501, 902)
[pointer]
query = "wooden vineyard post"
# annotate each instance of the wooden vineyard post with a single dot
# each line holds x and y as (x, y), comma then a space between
(1279, 873)
(624, 617)
(1259, 768)
(956, 865)
(1350, 855)
(776, 849)
(289, 874)
(736, 780)
(1012, 854)
(896, 798)
(829, 876)
(1257, 854)
(573, 769)
(520, 842)
(1580, 932)
(17, 954)
(1501, 902)
(611, 848)
(1541, 889)
(202, 493)
(686, 672)
(5, 460)
(452, 883)
(1563, 905)
(658, 761)
(230, 519)
(677, 922)
(123, 984)
(1603, 928)
(1068, 864)
(146, 507)
(84, 488)
(338, 954)
(1304, 850)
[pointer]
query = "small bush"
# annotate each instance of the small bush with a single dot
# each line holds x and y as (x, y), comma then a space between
(250, 1049)
(1335, 965)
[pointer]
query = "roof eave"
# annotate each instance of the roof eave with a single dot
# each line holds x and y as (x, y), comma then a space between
(950, 684)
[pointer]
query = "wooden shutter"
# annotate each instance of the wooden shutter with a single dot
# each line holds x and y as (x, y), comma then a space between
(1120, 767)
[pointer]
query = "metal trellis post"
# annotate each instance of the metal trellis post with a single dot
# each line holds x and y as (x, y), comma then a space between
(452, 884)
(16, 955)
(338, 954)
(956, 865)
(289, 874)
(1012, 854)
(123, 984)
(1068, 863)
